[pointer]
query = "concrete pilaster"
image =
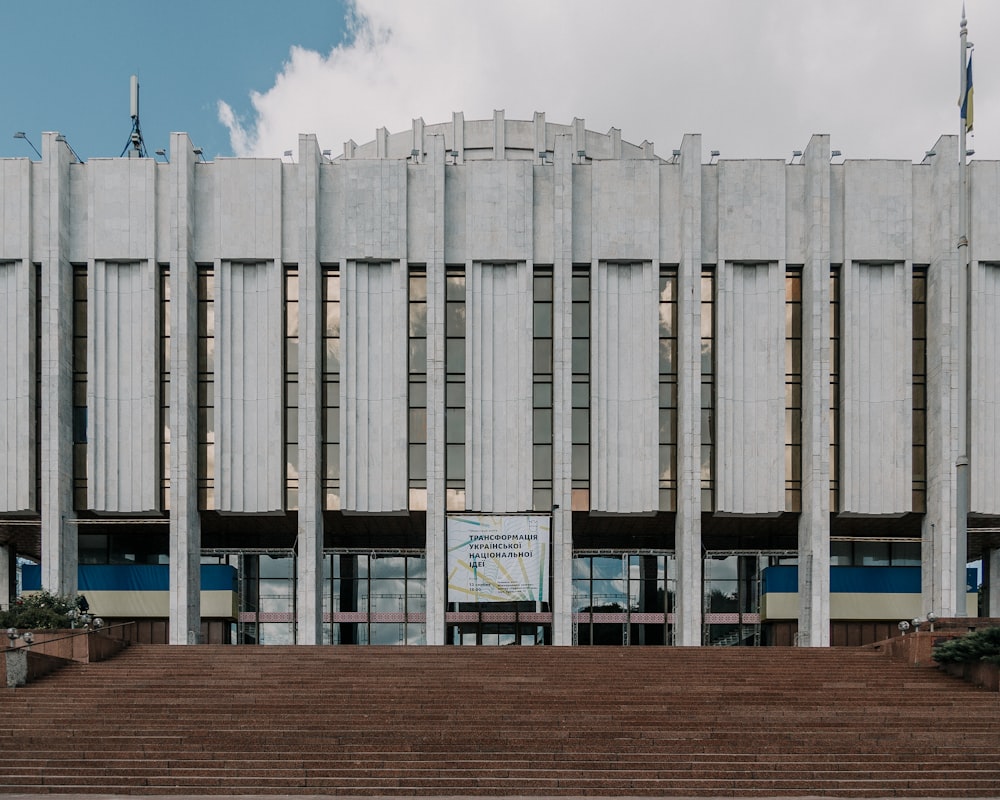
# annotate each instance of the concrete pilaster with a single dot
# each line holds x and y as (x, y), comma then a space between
(814, 521)
(938, 571)
(623, 387)
(309, 556)
(562, 405)
(435, 520)
(185, 524)
(8, 573)
(876, 476)
(498, 387)
(687, 548)
(59, 537)
(992, 579)
(18, 348)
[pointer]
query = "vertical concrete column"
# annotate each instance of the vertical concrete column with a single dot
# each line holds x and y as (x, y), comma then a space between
(937, 567)
(18, 346)
(8, 573)
(309, 561)
(562, 403)
(814, 521)
(185, 524)
(435, 521)
(991, 578)
(59, 537)
(687, 547)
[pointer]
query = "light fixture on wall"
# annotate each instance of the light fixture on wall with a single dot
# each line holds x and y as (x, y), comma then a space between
(65, 141)
(21, 135)
(795, 154)
(713, 156)
(27, 637)
(834, 154)
(163, 154)
(85, 618)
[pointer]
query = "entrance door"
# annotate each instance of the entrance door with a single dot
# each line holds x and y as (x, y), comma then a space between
(623, 598)
(499, 624)
(732, 599)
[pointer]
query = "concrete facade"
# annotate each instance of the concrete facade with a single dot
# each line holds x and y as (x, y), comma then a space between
(500, 202)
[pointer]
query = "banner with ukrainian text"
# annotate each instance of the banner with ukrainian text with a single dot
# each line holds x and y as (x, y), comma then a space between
(498, 559)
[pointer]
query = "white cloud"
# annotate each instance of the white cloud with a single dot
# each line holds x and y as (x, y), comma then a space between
(755, 77)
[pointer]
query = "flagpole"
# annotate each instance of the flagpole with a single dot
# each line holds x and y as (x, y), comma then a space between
(962, 481)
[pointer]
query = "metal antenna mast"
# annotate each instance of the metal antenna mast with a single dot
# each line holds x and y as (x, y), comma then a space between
(135, 137)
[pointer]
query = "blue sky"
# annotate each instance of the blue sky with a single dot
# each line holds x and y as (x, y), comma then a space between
(244, 77)
(68, 64)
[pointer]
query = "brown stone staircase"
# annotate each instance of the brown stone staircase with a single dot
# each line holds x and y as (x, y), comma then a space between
(500, 721)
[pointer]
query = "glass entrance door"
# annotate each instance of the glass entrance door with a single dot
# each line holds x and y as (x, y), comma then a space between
(377, 598)
(731, 585)
(623, 598)
(516, 624)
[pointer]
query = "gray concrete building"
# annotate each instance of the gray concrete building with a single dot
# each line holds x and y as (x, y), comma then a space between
(497, 381)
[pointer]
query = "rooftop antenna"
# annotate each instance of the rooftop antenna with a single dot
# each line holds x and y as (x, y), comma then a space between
(135, 137)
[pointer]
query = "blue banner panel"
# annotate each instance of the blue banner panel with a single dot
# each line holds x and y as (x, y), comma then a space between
(133, 577)
(849, 580)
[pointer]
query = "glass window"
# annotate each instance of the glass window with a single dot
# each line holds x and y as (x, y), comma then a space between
(581, 356)
(841, 554)
(542, 425)
(454, 421)
(455, 357)
(542, 395)
(871, 554)
(542, 358)
(331, 386)
(905, 554)
(93, 548)
(379, 584)
(418, 462)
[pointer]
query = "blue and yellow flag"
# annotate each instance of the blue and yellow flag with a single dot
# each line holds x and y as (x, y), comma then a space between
(967, 100)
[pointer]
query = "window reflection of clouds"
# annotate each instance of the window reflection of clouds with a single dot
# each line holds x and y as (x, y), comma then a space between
(275, 633)
(276, 585)
(276, 567)
(604, 567)
(722, 569)
(378, 584)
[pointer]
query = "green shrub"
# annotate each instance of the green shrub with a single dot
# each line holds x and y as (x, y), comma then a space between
(981, 645)
(40, 610)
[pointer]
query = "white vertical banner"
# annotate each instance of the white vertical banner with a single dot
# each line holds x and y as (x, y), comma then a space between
(498, 559)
